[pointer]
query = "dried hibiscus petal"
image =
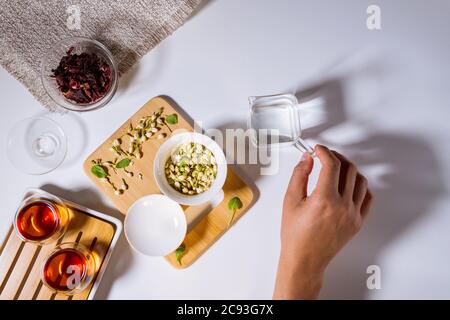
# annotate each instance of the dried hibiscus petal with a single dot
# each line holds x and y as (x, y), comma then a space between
(83, 78)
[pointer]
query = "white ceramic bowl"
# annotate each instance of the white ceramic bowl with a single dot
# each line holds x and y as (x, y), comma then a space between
(155, 225)
(164, 153)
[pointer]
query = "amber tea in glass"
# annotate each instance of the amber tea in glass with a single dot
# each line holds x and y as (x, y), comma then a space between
(68, 269)
(41, 220)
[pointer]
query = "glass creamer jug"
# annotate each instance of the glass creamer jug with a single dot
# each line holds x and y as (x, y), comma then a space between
(275, 121)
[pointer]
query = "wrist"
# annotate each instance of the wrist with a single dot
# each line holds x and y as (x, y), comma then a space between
(301, 278)
(308, 263)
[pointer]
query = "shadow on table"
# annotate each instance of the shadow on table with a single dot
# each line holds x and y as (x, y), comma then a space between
(411, 184)
(410, 181)
(119, 264)
(85, 196)
(326, 103)
(239, 158)
(122, 256)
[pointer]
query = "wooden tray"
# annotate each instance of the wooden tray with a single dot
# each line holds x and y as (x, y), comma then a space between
(215, 223)
(20, 262)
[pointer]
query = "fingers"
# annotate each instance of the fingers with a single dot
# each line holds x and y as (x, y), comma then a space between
(360, 190)
(347, 177)
(340, 175)
(329, 174)
(297, 188)
(367, 205)
(354, 186)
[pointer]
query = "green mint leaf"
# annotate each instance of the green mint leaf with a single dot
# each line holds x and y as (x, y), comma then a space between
(172, 119)
(123, 163)
(99, 171)
(234, 204)
(180, 252)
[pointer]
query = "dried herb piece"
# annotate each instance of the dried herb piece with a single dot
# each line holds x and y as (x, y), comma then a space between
(191, 169)
(124, 185)
(180, 252)
(129, 149)
(83, 78)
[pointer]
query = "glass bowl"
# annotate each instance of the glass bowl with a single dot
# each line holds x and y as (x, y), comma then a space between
(52, 59)
(36, 145)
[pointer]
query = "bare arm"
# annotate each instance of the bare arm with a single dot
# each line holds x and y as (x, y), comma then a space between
(314, 228)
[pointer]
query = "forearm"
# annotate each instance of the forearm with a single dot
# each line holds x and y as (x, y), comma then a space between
(316, 226)
(297, 281)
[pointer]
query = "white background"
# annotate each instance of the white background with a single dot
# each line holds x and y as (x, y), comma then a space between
(385, 100)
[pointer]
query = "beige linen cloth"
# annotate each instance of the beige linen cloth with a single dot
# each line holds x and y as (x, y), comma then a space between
(129, 28)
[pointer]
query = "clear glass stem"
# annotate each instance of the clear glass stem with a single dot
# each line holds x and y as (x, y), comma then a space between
(304, 146)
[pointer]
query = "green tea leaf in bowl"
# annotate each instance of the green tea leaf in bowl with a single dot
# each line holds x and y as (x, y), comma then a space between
(99, 171)
(172, 119)
(123, 163)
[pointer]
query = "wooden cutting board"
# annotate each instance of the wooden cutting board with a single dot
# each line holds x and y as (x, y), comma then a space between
(212, 226)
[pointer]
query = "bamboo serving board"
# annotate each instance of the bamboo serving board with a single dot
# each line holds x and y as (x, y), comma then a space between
(212, 226)
(20, 262)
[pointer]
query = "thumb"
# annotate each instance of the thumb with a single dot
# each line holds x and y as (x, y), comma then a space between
(297, 188)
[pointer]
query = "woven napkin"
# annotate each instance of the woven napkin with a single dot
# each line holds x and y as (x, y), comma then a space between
(29, 28)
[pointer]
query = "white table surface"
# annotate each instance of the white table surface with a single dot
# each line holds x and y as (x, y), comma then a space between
(386, 105)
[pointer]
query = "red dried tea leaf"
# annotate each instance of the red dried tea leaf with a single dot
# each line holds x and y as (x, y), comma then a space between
(83, 78)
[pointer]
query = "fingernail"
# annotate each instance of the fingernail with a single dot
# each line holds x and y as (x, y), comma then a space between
(304, 156)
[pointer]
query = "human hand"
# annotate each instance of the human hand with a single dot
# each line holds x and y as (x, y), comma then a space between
(314, 228)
